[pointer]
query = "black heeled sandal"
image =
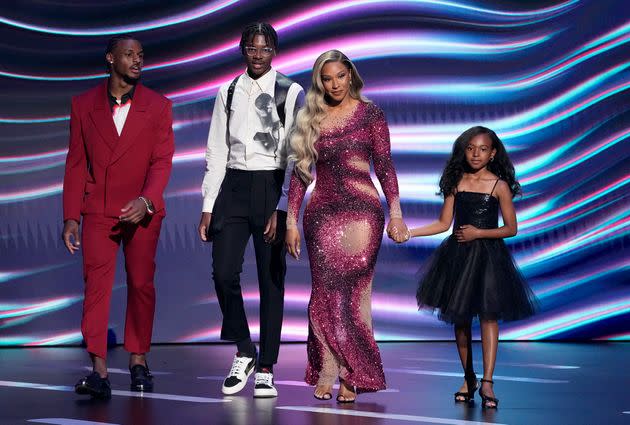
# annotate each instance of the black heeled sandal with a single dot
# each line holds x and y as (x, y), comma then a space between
(486, 399)
(343, 399)
(468, 397)
(324, 397)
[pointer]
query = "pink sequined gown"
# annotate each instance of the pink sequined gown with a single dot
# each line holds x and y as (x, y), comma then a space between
(343, 229)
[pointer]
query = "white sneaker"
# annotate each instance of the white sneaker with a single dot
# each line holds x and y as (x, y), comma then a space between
(242, 368)
(263, 385)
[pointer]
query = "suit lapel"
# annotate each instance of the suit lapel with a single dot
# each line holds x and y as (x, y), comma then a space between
(101, 116)
(135, 122)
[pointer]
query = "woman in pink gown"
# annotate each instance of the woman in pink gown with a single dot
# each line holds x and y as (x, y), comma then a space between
(341, 132)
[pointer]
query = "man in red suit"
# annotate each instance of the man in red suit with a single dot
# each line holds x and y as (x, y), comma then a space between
(119, 162)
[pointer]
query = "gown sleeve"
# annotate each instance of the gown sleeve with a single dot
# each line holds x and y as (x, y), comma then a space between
(383, 164)
(297, 190)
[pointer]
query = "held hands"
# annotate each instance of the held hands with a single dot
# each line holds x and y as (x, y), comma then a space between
(292, 242)
(204, 225)
(466, 233)
(397, 230)
(70, 236)
(133, 212)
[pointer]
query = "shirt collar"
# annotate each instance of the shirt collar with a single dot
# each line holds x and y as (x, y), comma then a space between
(266, 82)
(123, 100)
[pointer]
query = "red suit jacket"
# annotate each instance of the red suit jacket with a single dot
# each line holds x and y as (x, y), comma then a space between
(105, 171)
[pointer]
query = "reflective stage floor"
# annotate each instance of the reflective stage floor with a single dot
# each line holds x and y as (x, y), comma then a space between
(537, 383)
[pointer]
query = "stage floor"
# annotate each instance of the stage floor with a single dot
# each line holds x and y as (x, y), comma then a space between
(537, 383)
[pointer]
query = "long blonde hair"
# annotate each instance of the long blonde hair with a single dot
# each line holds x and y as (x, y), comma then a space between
(307, 124)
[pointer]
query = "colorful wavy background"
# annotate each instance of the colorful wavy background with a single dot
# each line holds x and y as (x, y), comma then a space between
(552, 78)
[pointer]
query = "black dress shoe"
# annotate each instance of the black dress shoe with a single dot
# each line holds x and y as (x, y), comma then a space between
(141, 378)
(94, 386)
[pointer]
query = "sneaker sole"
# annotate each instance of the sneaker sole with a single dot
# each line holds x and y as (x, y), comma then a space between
(238, 387)
(265, 393)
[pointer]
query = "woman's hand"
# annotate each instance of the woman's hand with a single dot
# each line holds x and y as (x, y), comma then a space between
(467, 233)
(292, 242)
(397, 230)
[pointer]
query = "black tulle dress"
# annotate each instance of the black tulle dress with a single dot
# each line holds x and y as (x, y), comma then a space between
(465, 280)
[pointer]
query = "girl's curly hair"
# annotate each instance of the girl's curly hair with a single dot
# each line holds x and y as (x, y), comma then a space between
(457, 165)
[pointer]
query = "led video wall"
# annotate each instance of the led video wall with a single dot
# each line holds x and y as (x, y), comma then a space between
(552, 78)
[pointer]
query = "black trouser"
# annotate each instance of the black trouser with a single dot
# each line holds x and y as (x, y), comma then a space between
(245, 203)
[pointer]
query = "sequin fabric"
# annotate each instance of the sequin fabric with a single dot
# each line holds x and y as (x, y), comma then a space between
(478, 209)
(343, 229)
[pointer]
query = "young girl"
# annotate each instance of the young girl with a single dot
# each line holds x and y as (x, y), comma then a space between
(472, 273)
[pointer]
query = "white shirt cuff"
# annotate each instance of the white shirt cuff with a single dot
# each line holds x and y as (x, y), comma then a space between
(208, 204)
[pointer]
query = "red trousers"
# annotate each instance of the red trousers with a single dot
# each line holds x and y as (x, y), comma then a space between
(101, 238)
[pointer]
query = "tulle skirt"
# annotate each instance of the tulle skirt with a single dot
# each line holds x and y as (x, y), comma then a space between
(462, 281)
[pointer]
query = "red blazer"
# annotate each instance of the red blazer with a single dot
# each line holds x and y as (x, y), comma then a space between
(105, 171)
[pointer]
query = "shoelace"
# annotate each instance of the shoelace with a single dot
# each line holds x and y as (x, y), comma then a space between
(239, 364)
(264, 378)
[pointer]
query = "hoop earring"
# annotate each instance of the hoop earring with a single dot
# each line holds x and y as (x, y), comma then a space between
(491, 158)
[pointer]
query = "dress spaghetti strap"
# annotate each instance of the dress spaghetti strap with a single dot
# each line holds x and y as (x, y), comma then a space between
(493, 187)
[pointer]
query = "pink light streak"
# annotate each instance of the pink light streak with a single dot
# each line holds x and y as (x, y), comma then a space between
(560, 322)
(367, 45)
(569, 282)
(381, 303)
(199, 12)
(587, 239)
(328, 12)
(566, 113)
(63, 338)
(30, 193)
(39, 307)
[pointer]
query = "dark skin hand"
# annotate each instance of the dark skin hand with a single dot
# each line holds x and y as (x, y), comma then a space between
(70, 236)
(270, 229)
(467, 233)
(133, 212)
(204, 224)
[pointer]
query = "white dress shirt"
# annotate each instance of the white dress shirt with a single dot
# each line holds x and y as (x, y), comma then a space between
(119, 114)
(257, 138)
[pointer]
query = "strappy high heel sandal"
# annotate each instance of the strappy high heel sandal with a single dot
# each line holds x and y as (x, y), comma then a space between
(343, 399)
(472, 384)
(485, 400)
(324, 397)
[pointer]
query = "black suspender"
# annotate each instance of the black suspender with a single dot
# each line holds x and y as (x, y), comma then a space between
(228, 112)
(230, 96)
(280, 91)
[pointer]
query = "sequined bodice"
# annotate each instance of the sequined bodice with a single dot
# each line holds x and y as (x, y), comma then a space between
(479, 209)
(344, 154)
(343, 165)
